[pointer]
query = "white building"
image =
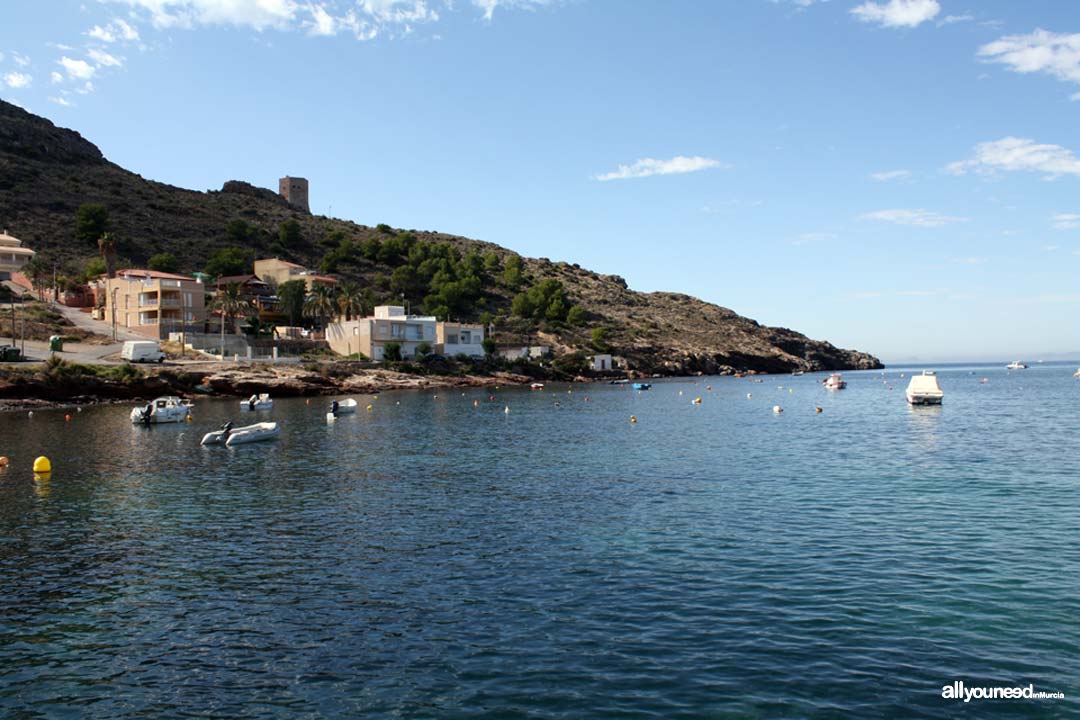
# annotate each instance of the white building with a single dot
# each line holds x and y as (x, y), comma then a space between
(371, 335)
(12, 255)
(602, 363)
(459, 339)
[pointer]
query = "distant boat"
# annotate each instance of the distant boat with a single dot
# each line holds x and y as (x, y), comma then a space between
(261, 401)
(798, 372)
(642, 386)
(342, 407)
(536, 386)
(622, 381)
(835, 382)
(165, 409)
(262, 431)
(1016, 365)
(924, 390)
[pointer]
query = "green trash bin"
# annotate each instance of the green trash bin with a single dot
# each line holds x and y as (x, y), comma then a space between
(10, 354)
(56, 343)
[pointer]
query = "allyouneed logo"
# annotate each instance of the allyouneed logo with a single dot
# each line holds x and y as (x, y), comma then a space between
(959, 691)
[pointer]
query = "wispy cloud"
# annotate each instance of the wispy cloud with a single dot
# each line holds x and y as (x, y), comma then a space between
(63, 102)
(20, 59)
(76, 69)
(646, 167)
(897, 13)
(488, 6)
(888, 175)
(1056, 54)
(103, 59)
(952, 19)
(913, 217)
(1066, 221)
(17, 80)
(1012, 154)
(116, 31)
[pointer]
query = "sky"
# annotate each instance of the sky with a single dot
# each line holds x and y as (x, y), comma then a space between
(896, 176)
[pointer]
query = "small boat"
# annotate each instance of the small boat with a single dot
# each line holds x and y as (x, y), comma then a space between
(253, 433)
(342, 407)
(219, 437)
(835, 382)
(1077, 373)
(165, 409)
(1016, 365)
(797, 373)
(261, 401)
(924, 390)
(622, 381)
(536, 386)
(642, 386)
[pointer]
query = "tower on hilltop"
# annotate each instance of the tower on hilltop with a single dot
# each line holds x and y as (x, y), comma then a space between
(295, 191)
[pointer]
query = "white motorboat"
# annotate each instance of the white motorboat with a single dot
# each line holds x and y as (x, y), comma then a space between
(253, 433)
(342, 407)
(218, 437)
(536, 386)
(924, 389)
(165, 409)
(261, 401)
(835, 382)
(1016, 365)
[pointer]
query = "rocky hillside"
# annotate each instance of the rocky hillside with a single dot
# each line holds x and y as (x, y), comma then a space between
(47, 172)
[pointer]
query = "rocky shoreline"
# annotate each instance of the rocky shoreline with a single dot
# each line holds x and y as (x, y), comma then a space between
(65, 385)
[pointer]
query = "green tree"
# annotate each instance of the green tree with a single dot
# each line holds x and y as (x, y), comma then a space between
(513, 273)
(107, 247)
(385, 229)
(91, 222)
(349, 300)
(489, 346)
(230, 261)
(392, 352)
(492, 263)
(575, 316)
(164, 262)
(39, 274)
(291, 293)
(94, 267)
(230, 303)
(423, 348)
(599, 339)
(320, 304)
(239, 232)
(289, 234)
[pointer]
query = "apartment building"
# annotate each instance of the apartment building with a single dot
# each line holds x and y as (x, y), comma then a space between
(276, 271)
(389, 324)
(459, 339)
(154, 303)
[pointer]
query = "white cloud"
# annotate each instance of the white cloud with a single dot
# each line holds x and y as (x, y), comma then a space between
(916, 218)
(888, 175)
(76, 69)
(1066, 221)
(897, 13)
(61, 101)
(1, 57)
(322, 22)
(17, 80)
(1056, 54)
(1012, 154)
(56, 77)
(951, 19)
(114, 31)
(104, 59)
(488, 6)
(650, 166)
(20, 59)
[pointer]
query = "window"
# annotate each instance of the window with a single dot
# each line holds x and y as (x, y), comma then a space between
(451, 339)
(465, 339)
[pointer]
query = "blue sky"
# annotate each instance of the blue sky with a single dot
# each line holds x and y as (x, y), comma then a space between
(897, 176)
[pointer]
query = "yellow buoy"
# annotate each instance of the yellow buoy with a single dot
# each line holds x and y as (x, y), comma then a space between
(369, 408)
(42, 465)
(696, 401)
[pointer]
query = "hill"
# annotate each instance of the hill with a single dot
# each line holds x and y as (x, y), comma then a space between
(47, 173)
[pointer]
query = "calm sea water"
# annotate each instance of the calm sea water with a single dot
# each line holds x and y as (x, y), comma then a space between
(432, 559)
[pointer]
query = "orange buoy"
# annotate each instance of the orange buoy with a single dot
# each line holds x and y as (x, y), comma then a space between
(67, 418)
(817, 409)
(633, 419)
(4, 462)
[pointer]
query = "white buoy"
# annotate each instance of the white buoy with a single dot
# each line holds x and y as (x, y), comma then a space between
(506, 409)
(777, 409)
(749, 395)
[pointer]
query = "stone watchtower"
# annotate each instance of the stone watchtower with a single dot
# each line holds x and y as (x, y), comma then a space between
(295, 191)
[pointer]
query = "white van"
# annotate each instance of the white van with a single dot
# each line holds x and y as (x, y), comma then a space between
(142, 351)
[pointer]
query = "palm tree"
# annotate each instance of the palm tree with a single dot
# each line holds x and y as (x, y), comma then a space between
(107, 246)
(349, 300)
(320, 303)
(230, 303)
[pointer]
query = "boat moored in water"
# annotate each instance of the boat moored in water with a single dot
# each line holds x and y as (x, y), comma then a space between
(1016, 365)
(165, 409)
(924, 389)
(260, 401)
(342, 407)
(642, 386)
(835, 382)
(252, 433)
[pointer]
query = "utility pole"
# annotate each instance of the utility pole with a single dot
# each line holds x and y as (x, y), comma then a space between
(114, 313)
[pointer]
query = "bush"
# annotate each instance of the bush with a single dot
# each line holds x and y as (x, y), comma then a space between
(392, 352)
(164, 262)
(423, 348)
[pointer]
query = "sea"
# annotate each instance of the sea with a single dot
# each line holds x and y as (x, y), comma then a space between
(580, 551)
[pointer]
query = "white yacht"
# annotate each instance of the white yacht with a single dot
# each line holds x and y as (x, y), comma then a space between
(1016, 365)
(835, 382)
(924, 389)
(165, 409)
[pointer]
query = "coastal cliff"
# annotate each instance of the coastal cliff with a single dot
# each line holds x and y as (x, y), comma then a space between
(47, 173)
